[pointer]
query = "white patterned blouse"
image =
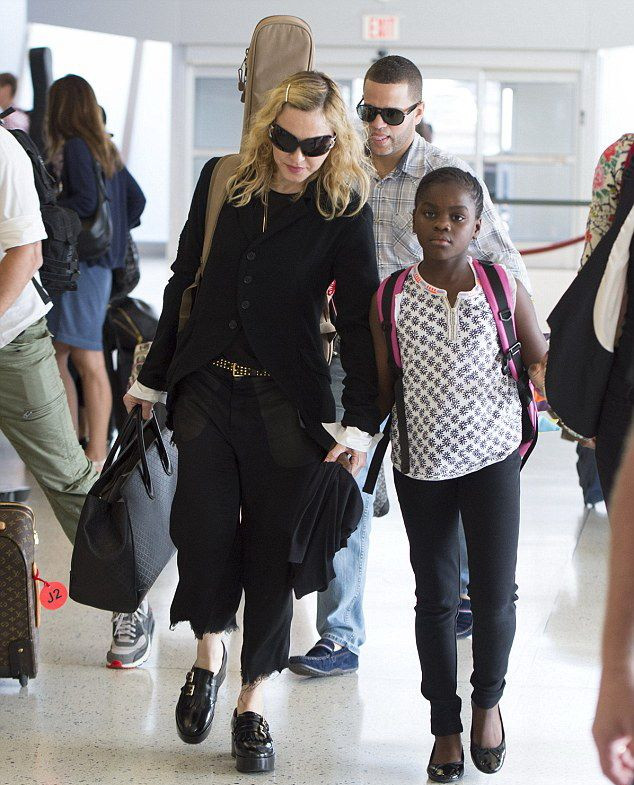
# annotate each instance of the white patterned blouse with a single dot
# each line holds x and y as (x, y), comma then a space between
(462, 412)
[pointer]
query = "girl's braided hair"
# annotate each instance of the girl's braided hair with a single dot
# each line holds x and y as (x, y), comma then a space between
(451, 174)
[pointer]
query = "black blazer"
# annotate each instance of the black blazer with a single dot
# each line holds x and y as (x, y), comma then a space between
(274, 286)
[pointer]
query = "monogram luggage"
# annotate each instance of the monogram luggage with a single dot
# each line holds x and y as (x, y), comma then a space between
(19, 598)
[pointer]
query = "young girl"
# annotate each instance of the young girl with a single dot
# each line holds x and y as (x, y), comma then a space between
(463, 419)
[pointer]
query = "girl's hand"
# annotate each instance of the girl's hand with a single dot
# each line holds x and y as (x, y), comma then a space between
(352, 460)
(537, 373)
(130, 401)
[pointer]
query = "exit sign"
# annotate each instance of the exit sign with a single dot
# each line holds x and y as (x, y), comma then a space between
(380, 28)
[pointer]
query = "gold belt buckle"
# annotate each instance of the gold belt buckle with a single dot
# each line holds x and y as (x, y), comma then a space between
(238, 371)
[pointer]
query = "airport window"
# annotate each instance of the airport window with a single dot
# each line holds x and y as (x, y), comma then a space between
(451, 108)
(530, 153)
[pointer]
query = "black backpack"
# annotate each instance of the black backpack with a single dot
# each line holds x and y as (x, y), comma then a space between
(60, 265)
(129, 322)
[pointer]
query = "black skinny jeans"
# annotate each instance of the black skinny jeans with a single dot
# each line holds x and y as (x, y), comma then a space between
(243, 465)
(489, 502)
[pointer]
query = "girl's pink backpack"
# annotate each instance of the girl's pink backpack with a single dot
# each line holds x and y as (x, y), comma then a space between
(494, 282)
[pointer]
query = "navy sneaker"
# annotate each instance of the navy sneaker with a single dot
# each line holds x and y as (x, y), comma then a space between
(323, 660)
(464, 619)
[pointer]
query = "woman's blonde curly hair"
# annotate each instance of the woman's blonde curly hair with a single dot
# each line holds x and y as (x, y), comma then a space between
(342, 181)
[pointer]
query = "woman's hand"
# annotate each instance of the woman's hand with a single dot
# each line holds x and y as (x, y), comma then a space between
(613, 728)
(352, 460)
(130, 401)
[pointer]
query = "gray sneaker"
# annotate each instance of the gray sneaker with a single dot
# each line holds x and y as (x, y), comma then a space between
(131, 638)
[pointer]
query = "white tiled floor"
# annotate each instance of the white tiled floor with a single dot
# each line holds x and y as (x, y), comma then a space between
(78, 722)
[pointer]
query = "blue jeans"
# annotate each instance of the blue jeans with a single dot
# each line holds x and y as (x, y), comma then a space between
(340, 607)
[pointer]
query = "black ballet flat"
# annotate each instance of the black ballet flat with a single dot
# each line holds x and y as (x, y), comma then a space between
(445, 772)
(489, 760)
(251, 743)
(197, 702)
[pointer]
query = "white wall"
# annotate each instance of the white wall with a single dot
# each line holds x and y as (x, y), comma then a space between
(540, 24)
(12, 34)
(616, 98)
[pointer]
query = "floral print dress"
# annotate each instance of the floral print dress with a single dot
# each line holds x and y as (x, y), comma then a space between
(605, 192)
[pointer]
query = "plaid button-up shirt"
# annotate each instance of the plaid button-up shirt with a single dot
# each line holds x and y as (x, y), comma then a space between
(392, 201)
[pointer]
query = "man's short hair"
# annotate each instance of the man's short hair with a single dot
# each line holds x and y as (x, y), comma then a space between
(395, 69)
(8, 79)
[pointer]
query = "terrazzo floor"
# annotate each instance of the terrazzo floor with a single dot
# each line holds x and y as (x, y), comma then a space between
(78, 723)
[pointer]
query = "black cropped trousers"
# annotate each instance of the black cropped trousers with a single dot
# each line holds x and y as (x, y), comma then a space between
(244, 461)
(488, 501)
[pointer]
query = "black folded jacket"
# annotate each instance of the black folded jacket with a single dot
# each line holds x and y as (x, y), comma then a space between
(330, 512)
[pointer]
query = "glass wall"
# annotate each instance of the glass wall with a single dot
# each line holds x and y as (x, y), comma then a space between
(451, 108)
(530, 153)
(106, 61)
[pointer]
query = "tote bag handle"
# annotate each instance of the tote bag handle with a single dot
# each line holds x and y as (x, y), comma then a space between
(132, 432)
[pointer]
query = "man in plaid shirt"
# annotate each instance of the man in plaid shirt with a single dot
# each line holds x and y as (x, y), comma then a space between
(392, 107)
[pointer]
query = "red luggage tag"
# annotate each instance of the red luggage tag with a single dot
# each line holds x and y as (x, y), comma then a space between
(52, 595)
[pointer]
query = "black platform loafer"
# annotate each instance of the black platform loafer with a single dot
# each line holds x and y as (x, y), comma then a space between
(445, 772)
(489, 760)
(251, 743)
(197, 702)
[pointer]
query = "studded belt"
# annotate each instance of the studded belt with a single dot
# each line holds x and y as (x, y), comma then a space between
(238, 370)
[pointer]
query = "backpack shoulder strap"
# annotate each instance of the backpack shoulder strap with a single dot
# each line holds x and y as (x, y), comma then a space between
(44, 181)
(386, 295)
(494, 281)
(216, 196)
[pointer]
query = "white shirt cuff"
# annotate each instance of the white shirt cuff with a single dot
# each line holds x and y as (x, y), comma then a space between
(139, 390)
(353, 438)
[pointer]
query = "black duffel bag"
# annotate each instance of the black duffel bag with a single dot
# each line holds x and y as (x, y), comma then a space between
(123, 542)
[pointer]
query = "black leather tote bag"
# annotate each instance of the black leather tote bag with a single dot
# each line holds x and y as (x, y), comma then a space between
(96, 232)
(125, 279)
(579, 364)
(123, 542)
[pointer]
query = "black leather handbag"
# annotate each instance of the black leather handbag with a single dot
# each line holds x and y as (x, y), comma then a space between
(96, 232)
(126, 278)
(123, 542)
(579, 364)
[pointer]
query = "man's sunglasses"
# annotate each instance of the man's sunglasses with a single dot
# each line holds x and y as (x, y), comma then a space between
(391, 116)
(311, 147)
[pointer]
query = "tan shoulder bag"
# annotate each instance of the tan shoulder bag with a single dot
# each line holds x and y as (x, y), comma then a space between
(217, 194)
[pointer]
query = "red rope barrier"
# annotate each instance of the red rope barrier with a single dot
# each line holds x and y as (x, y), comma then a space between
(554, 246)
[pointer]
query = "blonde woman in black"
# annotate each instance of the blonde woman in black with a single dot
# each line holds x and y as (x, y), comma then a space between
(248, 389)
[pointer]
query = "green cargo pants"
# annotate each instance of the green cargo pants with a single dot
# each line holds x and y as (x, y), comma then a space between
(34, 417)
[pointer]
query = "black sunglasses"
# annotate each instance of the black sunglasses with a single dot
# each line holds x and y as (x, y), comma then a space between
(392, 116)
(311, 147)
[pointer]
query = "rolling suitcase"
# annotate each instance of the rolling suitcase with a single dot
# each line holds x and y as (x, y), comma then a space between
(19, 598)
